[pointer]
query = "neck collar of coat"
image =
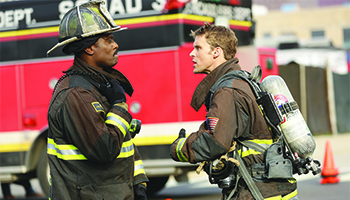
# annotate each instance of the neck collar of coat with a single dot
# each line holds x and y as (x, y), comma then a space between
(203, 88)
(81, 65)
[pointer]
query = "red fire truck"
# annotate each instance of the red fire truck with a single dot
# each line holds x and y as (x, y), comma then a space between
(154, 55)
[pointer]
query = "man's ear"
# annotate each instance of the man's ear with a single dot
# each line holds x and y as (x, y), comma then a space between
(217, 51)
(89, 50)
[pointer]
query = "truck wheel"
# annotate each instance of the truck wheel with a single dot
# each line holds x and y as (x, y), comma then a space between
(43, 172)
(156, 184)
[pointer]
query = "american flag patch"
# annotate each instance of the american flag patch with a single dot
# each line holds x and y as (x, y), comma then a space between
(211, 123)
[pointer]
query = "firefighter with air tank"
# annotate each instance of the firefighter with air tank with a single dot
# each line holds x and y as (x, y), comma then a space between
(243, 145)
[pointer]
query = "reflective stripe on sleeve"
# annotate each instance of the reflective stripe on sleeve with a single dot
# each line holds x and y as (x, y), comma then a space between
(139, 169)
(118, 121)
(245, 151)
(286, 197)
(179, 153)
(290, 195)
(65, 151)
(127, 149)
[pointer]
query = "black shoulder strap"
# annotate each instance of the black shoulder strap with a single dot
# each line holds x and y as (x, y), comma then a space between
(252, 79)
(226, 80)
(80, 79)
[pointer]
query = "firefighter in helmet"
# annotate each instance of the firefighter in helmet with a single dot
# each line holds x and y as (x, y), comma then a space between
(233, 121)
(90, 148)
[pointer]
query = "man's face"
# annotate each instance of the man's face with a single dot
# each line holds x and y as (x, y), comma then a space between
(202, 56)
(106, 51)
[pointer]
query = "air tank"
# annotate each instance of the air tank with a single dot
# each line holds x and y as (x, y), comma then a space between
(293, 126)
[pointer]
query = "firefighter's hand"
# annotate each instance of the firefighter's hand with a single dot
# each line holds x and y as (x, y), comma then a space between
(113, 91)
(173, 146)
(182, 133)
(123, 105)
(140, 191)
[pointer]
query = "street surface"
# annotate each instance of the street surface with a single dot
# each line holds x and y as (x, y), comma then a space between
(309, 187)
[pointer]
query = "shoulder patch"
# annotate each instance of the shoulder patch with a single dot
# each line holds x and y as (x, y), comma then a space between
(211, 124)
(97, 107)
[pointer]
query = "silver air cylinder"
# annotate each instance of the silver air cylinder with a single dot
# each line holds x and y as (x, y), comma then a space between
(294, 127)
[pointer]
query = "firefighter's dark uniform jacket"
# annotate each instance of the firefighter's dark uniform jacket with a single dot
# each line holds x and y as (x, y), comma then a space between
(90, 150)
(233, 114)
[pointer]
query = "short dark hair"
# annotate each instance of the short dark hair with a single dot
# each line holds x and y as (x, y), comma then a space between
(219, 36)
(78, 46)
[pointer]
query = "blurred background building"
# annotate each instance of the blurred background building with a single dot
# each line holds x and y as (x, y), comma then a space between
(312, 39)
(312, 23)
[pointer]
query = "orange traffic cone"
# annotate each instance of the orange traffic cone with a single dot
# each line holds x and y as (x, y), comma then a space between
(329, 171)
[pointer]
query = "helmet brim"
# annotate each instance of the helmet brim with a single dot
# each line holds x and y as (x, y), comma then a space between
(73, 39)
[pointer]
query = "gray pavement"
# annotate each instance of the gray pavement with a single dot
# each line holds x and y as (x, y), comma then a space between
(340, 146)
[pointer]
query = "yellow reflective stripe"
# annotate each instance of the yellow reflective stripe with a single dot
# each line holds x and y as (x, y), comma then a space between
(179, 153)
(290, 195)
(259, 106)
(286, 197)
(248, 151)
(61, 146)
(118, 121)
(139, 169)
(64, 152)
(127, 149)
(269, 141)
(292, 180)
(275, 198)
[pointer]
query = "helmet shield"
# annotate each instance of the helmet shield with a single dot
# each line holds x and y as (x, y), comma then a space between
(83, 21)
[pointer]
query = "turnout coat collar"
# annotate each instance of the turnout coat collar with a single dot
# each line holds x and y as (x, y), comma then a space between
(200, 95)
(81, 65)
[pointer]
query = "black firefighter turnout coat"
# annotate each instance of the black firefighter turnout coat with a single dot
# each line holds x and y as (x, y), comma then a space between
(91, 153)
(233, 114)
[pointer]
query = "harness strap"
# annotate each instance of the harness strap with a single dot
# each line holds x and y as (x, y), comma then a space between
(226, 81)
(253, 145)
(256, 74)
(248, 179)
(287, 107)
(238, 177)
